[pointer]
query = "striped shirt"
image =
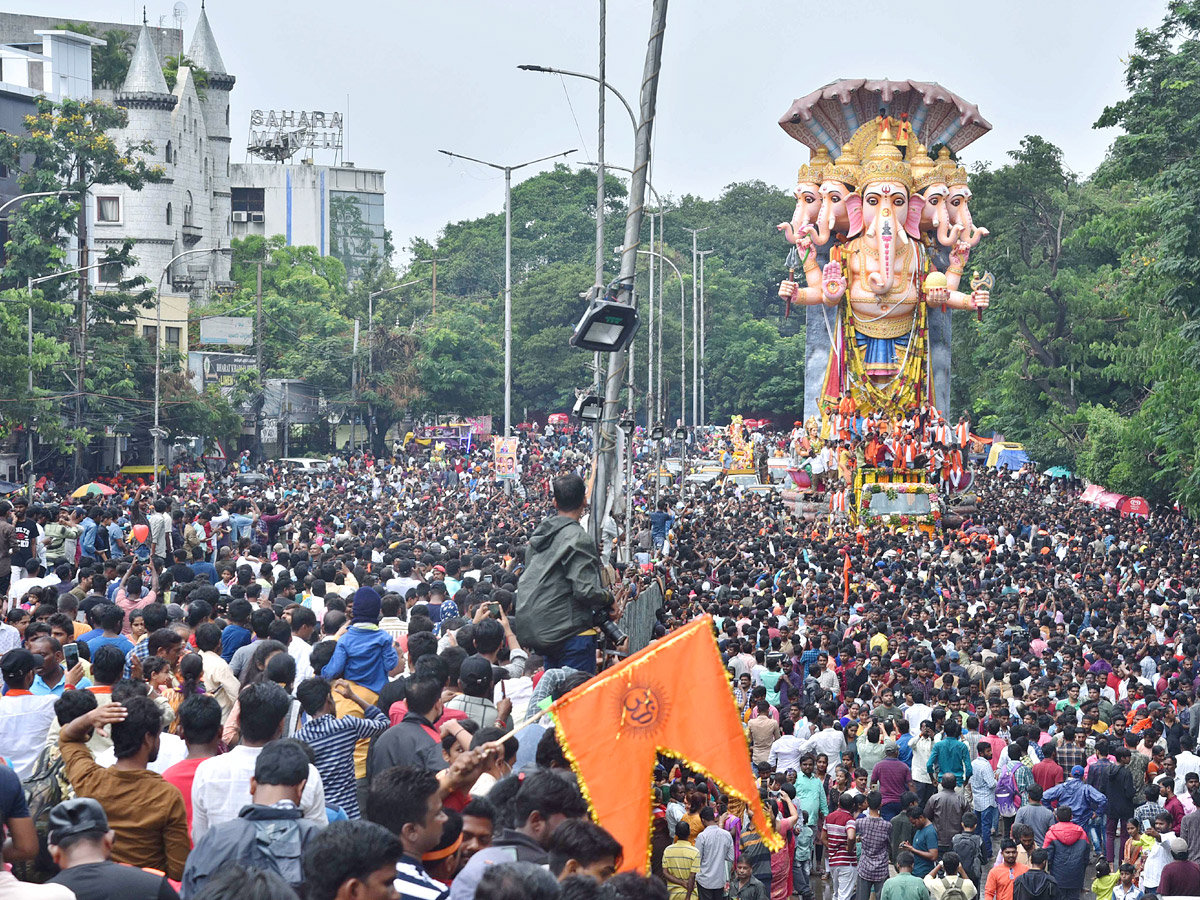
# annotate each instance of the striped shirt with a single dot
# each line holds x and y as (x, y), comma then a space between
(837, 827)
(414, 883)
(332, 741)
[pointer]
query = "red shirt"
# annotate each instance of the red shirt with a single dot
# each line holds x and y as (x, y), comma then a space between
(181, 775)
(1047, 773)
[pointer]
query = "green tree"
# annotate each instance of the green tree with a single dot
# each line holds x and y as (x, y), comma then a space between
(171, 67)
(110, 63)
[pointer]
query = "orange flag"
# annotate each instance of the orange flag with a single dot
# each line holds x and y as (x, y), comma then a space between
(674, 696)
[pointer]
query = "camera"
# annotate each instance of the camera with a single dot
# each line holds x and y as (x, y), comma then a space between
(611, 631)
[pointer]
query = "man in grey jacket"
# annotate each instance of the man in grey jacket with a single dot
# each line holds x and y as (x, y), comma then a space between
(561, 587)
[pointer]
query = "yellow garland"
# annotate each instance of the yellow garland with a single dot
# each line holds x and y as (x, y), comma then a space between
(900, 393)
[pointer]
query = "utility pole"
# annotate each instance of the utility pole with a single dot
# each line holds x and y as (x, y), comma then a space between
(354, 388)
(600, 158)
(258, 364)
(507, 170)
(29, 429)
(703, 254)
(435, 261)
(606, 427)
(650, 341)
(695, 328)
(83, 314)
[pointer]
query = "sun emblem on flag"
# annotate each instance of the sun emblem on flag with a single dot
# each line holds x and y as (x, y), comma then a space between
(643, 709)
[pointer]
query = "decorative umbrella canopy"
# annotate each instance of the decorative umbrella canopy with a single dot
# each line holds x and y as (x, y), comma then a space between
(829, 116)
(91, 488)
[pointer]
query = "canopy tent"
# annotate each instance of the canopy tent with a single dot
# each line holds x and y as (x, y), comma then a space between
(1090, 493)
(1011, 459)
(1135, 506)
(1058, 472)
(1109, 500)
(997, 448)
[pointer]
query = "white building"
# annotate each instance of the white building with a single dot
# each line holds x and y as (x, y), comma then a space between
(187, 129)
(337, 209)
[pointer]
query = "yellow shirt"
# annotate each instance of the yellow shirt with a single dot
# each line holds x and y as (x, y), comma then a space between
(1103, 887)
(681, 860)
(878, 642)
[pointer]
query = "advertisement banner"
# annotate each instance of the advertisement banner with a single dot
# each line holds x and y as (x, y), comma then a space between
(236, 330)
(506, 456)
(219, 370)
(481, 426)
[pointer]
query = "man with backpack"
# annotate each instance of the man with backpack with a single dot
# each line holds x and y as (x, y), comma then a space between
(1008, 792)
(947, 881)
(270, 833)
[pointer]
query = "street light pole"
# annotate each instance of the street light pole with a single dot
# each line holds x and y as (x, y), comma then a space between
(703, 254)
(435, 261)
(507, 170)
(606, 439)
(695, 329)
(156, 433)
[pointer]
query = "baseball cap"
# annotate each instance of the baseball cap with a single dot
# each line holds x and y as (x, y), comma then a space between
(1178, 845)
(475, 671)
(1077, 770)
(19, 662)
(890, 745)
(72, 818)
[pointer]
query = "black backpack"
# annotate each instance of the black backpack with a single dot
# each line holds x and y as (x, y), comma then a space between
(43, 791)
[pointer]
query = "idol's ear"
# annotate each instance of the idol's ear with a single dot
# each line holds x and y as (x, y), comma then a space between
(854, 214)
(912, 224)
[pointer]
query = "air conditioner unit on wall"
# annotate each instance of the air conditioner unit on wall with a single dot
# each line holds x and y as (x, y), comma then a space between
(257, 217)
(239, 216)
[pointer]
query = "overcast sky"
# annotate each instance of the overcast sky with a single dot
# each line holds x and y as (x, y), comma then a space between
(422, 75)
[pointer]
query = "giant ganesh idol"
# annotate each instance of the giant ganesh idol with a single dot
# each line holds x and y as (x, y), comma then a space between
(883, 233)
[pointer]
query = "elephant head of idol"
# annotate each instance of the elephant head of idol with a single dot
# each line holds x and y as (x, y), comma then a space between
(891, 213)
(808, 196)
(841, 208)
(929, 182)
(958, 202)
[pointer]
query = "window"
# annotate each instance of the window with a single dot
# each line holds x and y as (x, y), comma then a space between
(187, 210)
(148, 332)
(168, 213)
(108, 210)
(169, 151)
(173, 336)
(248, 199)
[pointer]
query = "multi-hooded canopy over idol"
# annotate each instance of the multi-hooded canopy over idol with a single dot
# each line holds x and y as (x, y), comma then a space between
(882, 230)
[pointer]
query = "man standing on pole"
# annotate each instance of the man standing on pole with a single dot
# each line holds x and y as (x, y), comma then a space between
(561, 591)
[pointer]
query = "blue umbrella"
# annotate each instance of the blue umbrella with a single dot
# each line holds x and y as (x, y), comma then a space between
(1058, 472)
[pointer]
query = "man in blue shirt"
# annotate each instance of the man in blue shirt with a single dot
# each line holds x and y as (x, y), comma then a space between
(924, 844)
(660, 524)
(87, 537)
(112, 618)
(236, 634)
(202, 567)
(52, 677)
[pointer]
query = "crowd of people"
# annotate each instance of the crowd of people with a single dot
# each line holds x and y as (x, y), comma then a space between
(332, 684)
